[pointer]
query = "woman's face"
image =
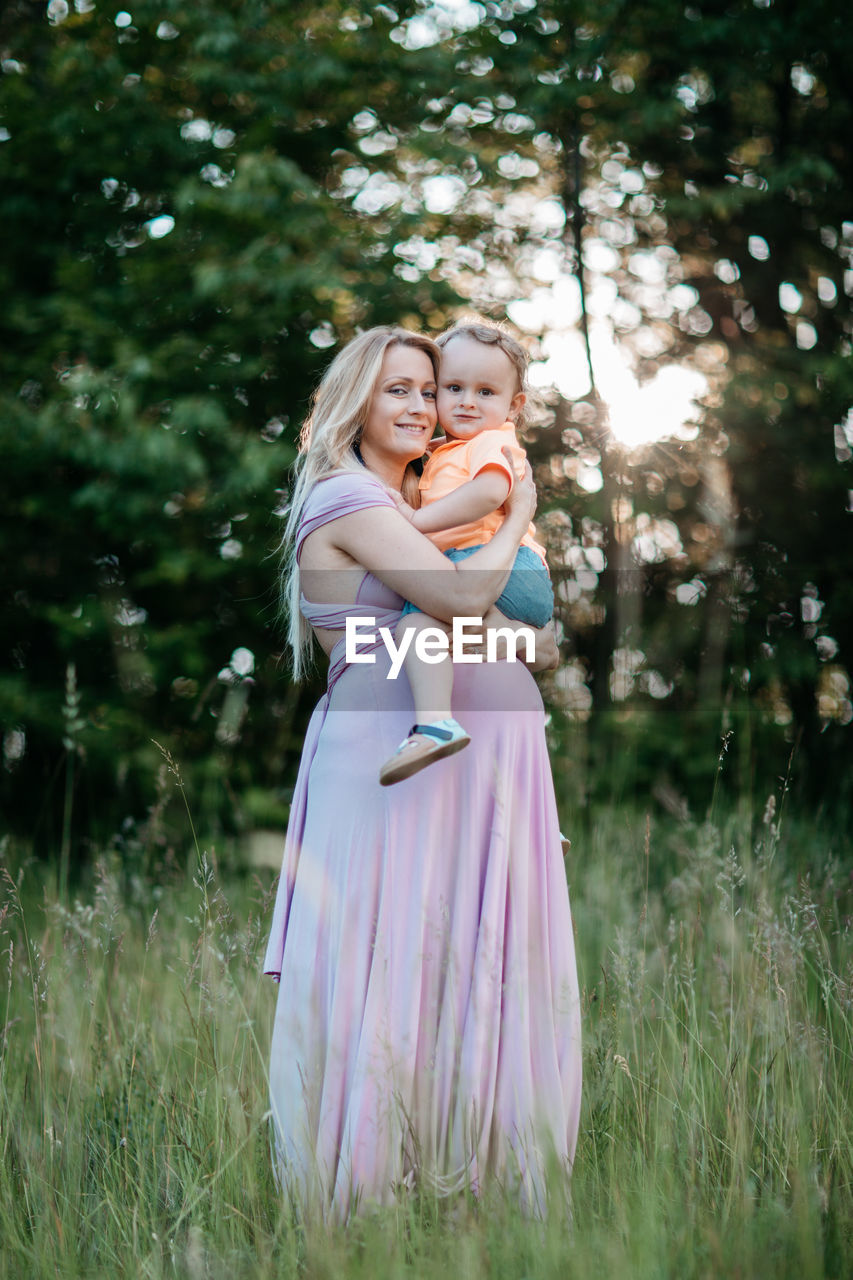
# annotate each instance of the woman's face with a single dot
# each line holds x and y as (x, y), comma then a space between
(402, 415)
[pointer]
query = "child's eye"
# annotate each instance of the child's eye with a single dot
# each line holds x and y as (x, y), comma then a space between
(452, 386)
(486, 391)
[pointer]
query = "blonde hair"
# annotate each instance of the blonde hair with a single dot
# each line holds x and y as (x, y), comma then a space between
(327, 443)
(493, 335)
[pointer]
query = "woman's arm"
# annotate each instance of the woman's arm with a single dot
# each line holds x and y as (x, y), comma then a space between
(383, 541)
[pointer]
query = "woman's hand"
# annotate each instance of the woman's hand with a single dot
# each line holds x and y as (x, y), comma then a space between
(521, 500)
(546, 655)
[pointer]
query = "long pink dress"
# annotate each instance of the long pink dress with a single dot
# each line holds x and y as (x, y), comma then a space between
(427, 1029)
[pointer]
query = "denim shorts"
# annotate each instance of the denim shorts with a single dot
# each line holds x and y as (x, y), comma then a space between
(528, 595)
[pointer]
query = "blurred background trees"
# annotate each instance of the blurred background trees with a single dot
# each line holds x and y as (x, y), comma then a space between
(201, 201)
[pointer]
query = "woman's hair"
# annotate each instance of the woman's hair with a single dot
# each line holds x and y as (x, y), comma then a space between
(327, 443)
(494, 336)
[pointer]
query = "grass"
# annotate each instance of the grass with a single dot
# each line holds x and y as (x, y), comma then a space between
(717, 974)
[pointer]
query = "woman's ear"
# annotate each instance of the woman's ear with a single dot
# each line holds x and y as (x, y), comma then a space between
(516, 405)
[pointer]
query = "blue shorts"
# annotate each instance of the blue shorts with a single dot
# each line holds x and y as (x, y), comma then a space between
(528, 595)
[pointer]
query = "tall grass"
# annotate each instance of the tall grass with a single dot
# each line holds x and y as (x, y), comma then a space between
(717, 975)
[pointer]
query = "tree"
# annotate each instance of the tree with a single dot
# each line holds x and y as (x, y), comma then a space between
(178, 264)
(238, 186)
(698, 158)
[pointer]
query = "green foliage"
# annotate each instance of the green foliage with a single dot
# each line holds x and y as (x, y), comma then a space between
(706, 149)
(199, 201)
(175, 258)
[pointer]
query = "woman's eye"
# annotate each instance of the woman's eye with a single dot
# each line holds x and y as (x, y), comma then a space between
(429, 395)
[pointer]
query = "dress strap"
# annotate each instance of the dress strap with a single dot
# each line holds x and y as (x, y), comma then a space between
(333, 617)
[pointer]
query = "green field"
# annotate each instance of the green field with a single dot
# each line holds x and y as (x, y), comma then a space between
(716, 1136)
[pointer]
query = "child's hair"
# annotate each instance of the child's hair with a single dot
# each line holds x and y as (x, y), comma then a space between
(494, 336)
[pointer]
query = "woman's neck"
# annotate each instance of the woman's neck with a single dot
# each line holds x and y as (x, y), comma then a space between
(389, 470)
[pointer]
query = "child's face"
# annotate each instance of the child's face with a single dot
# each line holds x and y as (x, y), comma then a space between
(477, 388)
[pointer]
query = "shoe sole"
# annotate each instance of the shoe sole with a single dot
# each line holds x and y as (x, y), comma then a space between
(407, 767)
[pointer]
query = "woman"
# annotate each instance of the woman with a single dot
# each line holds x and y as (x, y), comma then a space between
(427, 1027)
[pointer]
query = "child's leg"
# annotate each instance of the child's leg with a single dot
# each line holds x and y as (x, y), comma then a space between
(431, 682)
(435, 734)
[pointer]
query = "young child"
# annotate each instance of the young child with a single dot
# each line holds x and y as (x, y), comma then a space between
(463, 487)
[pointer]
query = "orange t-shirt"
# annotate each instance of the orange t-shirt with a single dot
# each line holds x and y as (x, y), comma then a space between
(455, 462)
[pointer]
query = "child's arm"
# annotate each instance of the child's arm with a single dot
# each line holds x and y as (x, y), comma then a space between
(478, 497)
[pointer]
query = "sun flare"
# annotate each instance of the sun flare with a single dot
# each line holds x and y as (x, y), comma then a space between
(662, 408)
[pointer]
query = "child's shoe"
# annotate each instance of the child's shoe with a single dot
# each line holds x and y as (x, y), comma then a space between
(425, 743)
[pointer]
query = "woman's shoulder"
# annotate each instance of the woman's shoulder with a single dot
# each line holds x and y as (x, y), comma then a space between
(340, 494)
(348, 489)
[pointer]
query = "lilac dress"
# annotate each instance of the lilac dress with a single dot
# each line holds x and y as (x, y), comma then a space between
(427, 1029)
